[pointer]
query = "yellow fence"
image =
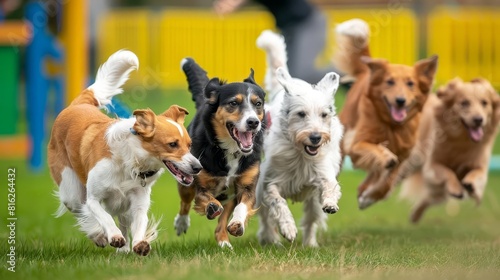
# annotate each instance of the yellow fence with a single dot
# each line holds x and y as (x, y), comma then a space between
(467, 42)
(464, 40)
(225, 47)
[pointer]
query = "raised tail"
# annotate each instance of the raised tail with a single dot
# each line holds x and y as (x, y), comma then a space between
(352, 38)
(112, 75)
(197, 80)
(274, 46)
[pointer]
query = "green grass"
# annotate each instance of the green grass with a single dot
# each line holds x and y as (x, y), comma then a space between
(454, 241)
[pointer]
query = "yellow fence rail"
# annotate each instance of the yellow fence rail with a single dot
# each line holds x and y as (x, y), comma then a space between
(467, 42)
(464, 40)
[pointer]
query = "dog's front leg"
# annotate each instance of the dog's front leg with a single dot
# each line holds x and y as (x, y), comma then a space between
(245, 196)
(279, 212)
(114, 235)
(220, 231)
(370, 157)
(140, 202)
(182, 221)
(474, 183)
(437, 174)
(330, 195)
(206, 204)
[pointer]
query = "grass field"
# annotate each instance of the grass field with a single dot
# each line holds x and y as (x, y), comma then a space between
(454, 241)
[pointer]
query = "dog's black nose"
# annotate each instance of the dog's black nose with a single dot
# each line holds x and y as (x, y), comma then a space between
(478, 121)
(253, 123)
(315, 138)
(196, 168)
(400, 101)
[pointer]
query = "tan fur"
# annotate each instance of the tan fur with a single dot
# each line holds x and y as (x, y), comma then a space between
(445, 155)
(375, 141)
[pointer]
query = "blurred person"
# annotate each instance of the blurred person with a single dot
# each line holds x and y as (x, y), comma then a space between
(303, 27)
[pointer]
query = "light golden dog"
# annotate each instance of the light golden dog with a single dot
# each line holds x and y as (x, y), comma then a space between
(452, 153)
(382, 109)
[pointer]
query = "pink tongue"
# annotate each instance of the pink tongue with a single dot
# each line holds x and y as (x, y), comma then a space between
(476, 133)
(398, 115)
(245, 138)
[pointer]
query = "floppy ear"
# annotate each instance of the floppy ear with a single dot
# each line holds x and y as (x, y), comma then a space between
(378, 68)
(144, 123)
(250, 78)
(447, 93)
(329, 84)
(176, 113)
(426, 70)
(211, 93)
(283, 77)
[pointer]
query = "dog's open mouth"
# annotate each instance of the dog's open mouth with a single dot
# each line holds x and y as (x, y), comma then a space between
(398, 114)
(311, 150)
(181, 176)
(476, 133)
(243, 138)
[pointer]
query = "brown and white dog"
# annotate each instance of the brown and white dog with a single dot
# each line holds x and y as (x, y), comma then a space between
(456, 135)
(382, 109)
(106, 167)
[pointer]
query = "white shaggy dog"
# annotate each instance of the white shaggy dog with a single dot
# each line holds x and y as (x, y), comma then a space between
(302, 152)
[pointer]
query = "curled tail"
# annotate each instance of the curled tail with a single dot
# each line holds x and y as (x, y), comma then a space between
(197, 79)
(275, 48)
(110, 78)
(352, 38)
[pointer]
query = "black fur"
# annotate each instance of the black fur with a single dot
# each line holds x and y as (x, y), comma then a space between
(208, 95)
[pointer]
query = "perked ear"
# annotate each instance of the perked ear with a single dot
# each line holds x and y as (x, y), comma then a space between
(211, 93)
(329, 84)
(446, 93)
(283, 77)
(176, 113)
(144, 123)
(250, 78)
(426, 69)
(378, 68)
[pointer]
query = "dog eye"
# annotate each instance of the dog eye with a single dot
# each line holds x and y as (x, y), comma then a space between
(410, 83)
(324, 115)
(484, 103)
(301, 114)
(173, 144)
(390, 82)
(258, 104)
(233, 103)
(465, 103)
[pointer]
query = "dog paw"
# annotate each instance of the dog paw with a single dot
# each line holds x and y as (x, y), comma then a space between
(236, 228)
(142, 248)
(288, 230)
(225, 244)
(181, 224)
(469, 187)
(330, 207)
(100, 240)
(213, 210)
(365, 202)
(117, 241)
(390, 160)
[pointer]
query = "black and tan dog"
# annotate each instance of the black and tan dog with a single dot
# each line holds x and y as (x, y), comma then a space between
(227, 134)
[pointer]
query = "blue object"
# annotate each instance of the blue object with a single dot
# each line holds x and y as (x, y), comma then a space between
(119, 109)
(42, 45)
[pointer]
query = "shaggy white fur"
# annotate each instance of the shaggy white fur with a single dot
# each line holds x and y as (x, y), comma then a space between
(302, 152)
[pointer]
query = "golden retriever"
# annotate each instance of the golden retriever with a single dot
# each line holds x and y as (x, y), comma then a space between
(382, 109)
(455, 138)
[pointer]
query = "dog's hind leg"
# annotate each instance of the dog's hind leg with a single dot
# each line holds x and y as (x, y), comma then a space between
(279, 212)
(313, 217)
(268, 233)
(182, 220)
(71, 192)
(221, 229)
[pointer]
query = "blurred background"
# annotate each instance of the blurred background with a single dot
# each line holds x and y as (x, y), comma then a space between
(50, 50)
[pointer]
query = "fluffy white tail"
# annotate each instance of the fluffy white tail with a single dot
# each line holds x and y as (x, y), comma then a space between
(352, 38)
(275, 48)
(112, 75)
